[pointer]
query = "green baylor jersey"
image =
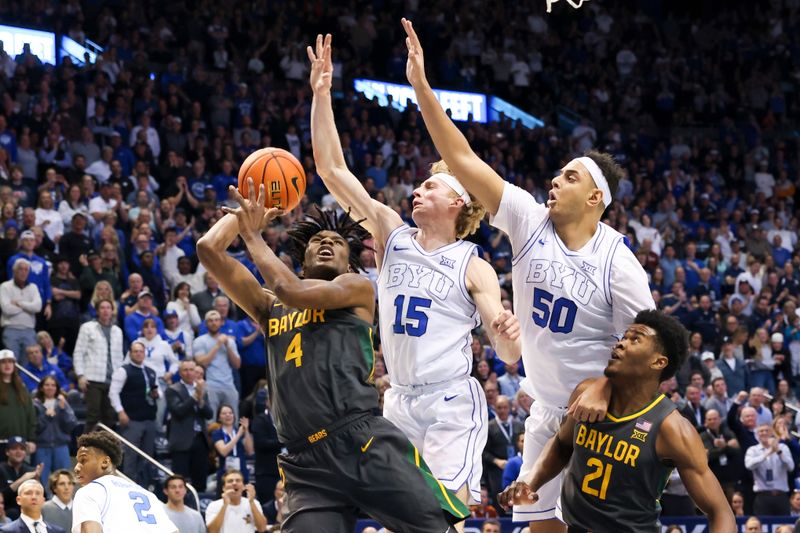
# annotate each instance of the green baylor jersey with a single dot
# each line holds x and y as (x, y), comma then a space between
(614, 479)
(320, 367)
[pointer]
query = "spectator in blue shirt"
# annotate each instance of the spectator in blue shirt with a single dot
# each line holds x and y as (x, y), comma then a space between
(40, 368)
(250, 342)
(39, 273)
(514, 464)
(224, 179)
(55, 355)
(144, 310)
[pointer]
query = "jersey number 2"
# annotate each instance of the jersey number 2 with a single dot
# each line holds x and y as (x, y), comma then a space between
(601, 470)
(295, 351)
(412, 313)
(140, 508)
(559, 316)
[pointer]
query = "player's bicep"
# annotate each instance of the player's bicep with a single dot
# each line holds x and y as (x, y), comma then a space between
(91, 527)
(679, 443)
(380, 220)
(630, 291)
(519, 216)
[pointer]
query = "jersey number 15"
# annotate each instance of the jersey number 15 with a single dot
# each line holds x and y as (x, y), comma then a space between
(412, 314)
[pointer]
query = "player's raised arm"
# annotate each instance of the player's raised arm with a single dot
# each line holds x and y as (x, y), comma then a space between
(679, 442)
(475, 175)
(328, 156)
(503, 327)
(346, 290)
(237, 282)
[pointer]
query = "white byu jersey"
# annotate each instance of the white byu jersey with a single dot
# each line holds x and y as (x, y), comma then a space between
(426, 313)
(119, 505)
(572, 306)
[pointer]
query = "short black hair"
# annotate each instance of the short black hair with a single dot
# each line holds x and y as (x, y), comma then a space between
(174, 477)
(671, 337)
(609, 167)
(105, 442)
(325, 220)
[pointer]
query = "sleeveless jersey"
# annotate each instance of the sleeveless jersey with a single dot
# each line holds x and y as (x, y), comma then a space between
(426, 313)
(119, 505)
(319, 366)
(614, 478)
(572, 306)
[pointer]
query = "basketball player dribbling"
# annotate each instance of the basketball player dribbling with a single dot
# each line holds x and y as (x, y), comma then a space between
(576, 284)
(433, 290)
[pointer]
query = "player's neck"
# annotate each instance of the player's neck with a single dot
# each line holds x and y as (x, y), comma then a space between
(629, 398)
(576, 233)
(433, 237)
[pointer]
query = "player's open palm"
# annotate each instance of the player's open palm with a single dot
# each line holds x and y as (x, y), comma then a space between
(252, 215)
(321, 76)
(415, 66)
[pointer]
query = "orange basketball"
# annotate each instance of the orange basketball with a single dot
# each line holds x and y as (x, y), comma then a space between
(281, 173)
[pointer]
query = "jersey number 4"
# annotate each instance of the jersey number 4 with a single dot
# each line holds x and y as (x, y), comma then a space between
(412, 314)
(558, 315)
(141, 507)
(295, 351)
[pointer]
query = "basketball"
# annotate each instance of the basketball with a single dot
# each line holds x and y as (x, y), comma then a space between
(281, 173)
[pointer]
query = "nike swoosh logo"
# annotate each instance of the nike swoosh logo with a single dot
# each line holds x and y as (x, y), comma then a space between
(541, 242)
(396, 249)
(448, 398)
(294, 184)
(367, 445)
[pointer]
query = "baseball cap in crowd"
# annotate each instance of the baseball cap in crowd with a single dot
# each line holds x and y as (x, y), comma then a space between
(777, 337)
(170, 312)
(27, 234)
(92, 253)
(16, 440)
(7, 354)
(145, 293)
(707, 356)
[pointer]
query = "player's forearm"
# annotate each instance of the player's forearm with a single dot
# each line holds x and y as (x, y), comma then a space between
(212, 246)
(91, 527)
(277, 276)
(324, 137)
(554, 458)
(507, 350)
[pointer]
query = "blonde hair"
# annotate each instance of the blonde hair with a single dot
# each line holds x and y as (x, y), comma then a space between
(470, 216)
(96, 298)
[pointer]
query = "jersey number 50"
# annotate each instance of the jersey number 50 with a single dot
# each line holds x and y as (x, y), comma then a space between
(412, 313)
(558, 315)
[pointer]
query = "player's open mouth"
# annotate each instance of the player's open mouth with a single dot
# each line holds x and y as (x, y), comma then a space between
(415, 204)
(551, 198)
(325, 251)
(614, 355)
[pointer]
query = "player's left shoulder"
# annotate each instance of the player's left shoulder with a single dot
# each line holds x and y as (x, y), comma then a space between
(677, 440)
(478, 272)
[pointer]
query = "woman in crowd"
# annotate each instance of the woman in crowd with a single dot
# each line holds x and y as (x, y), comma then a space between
(55, 421)
(17, 415)
(188, 316)
(55, 355)
(232, 444)
(71, 204)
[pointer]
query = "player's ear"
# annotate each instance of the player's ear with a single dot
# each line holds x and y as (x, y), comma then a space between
(595, 198)
(660, 361)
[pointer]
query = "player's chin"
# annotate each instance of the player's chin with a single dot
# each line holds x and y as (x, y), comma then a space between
(611, 368)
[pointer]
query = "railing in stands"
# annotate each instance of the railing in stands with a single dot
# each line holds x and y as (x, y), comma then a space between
(155, 463)
(126, 442)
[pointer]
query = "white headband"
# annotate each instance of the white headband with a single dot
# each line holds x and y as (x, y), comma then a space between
(454, 184)
(599, 178)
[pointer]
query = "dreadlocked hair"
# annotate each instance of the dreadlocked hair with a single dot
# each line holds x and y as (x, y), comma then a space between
(469, 218)
(326, 220)
(105, 442)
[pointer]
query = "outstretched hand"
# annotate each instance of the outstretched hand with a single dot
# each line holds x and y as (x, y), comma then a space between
(518, 493)
(415, 66)
(321, 76)
(253, 217)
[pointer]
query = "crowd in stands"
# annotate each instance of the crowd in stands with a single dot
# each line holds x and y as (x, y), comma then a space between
(111, 171)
